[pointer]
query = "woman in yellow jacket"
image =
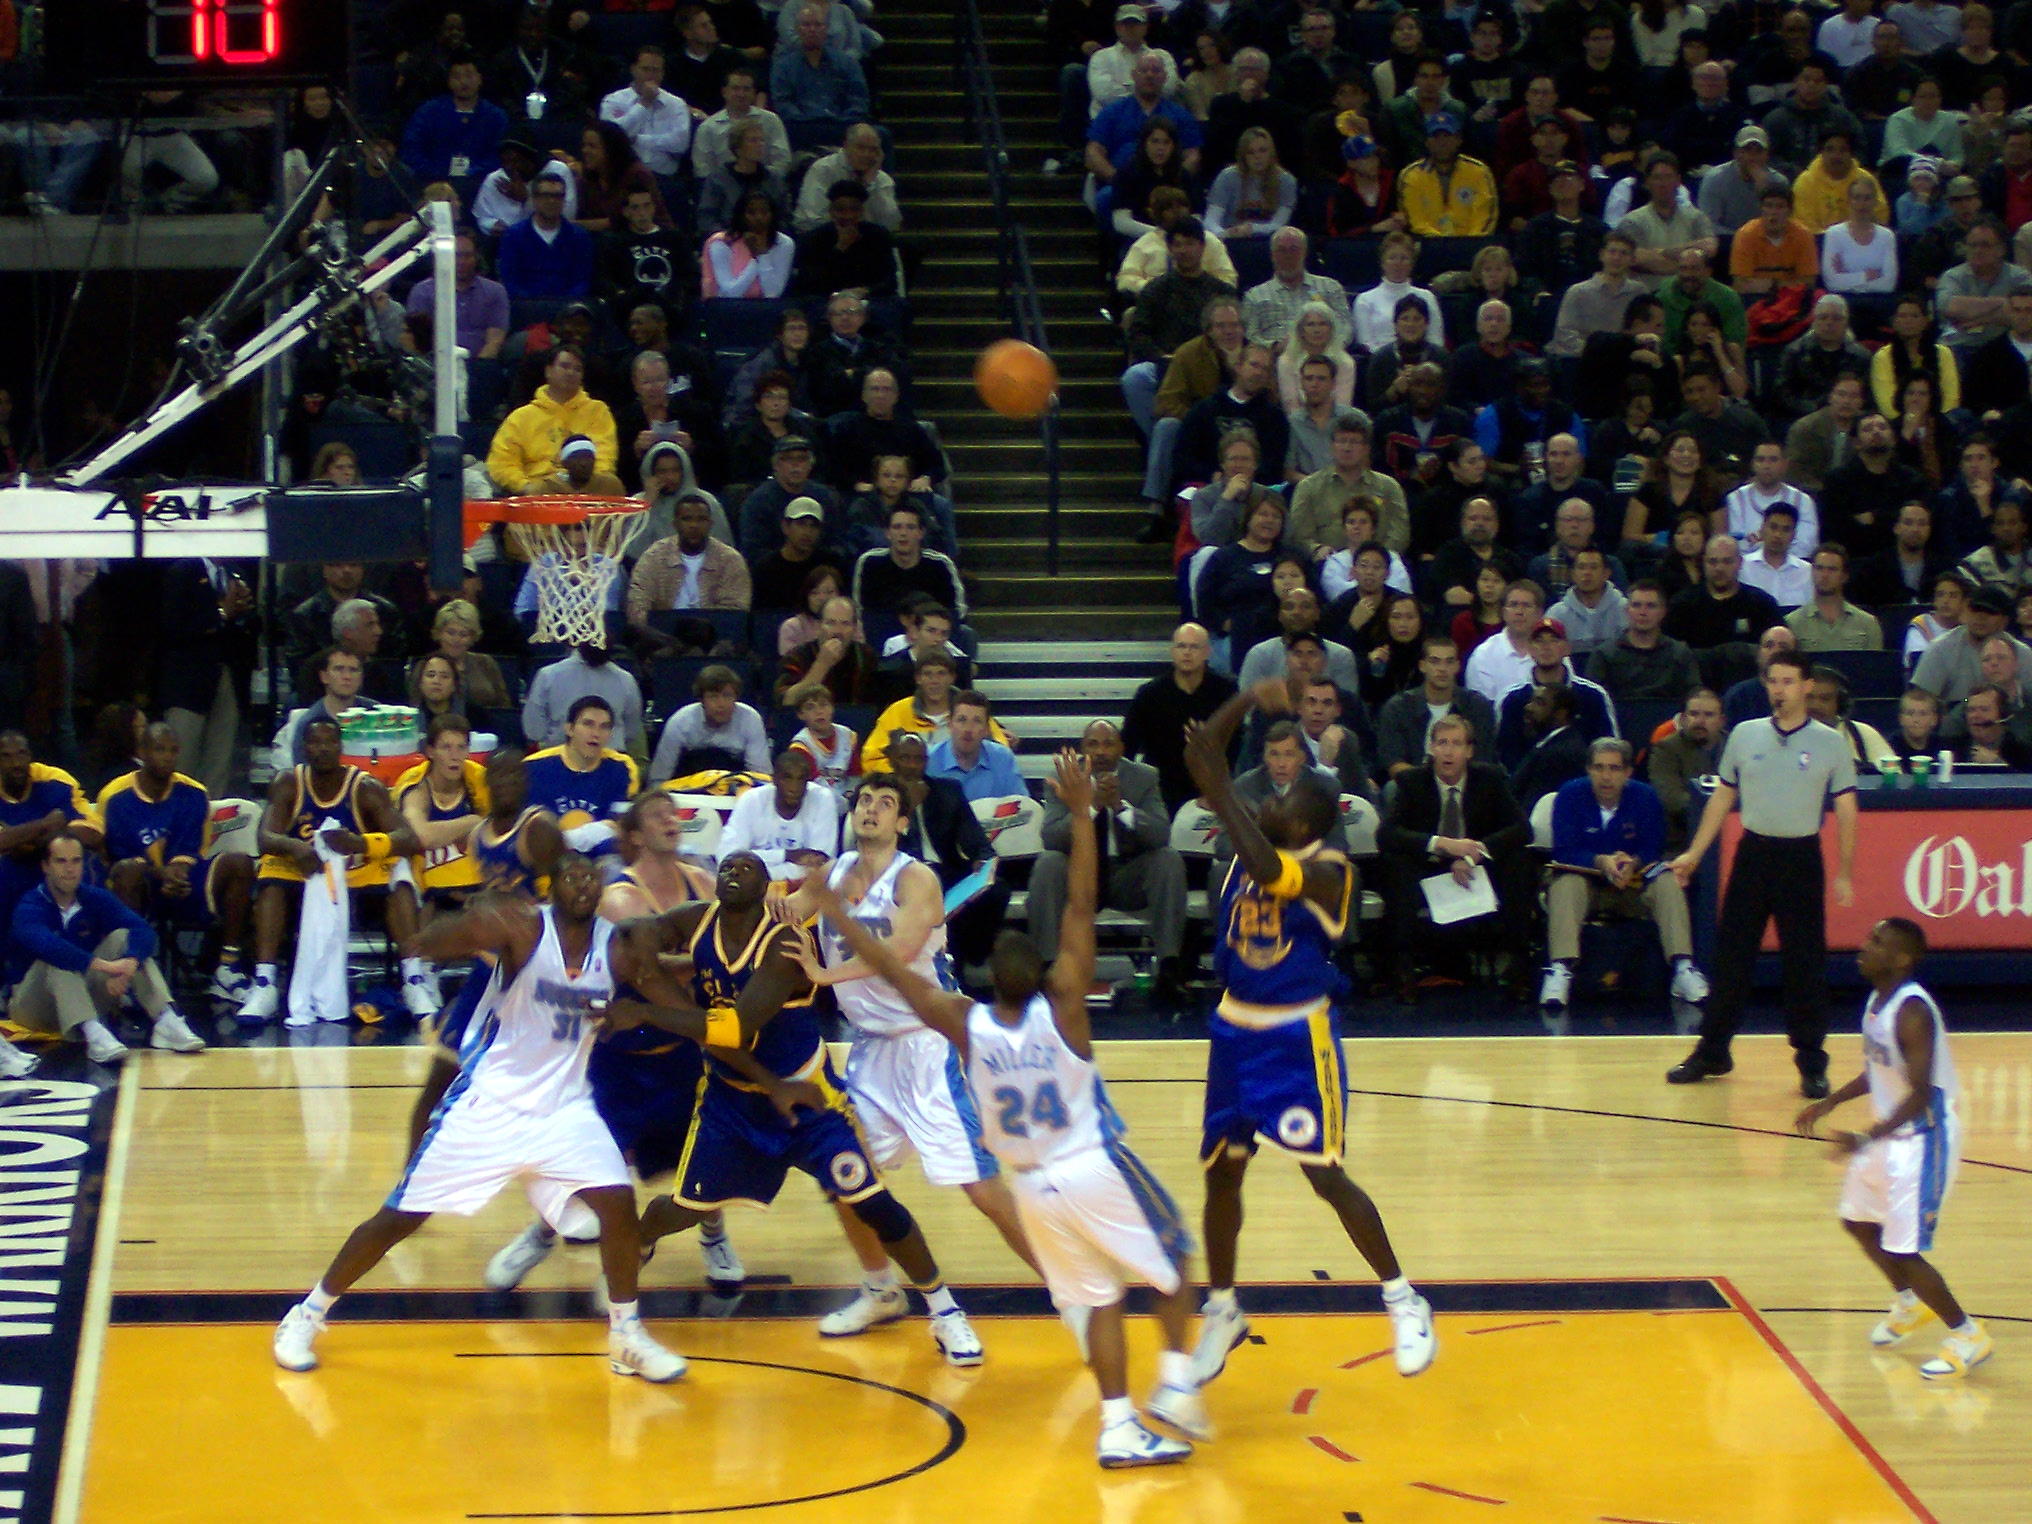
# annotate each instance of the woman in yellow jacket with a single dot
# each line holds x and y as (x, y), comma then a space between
(525, 446)
(1911, 351)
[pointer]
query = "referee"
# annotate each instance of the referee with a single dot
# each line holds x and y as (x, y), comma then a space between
(1786, 769)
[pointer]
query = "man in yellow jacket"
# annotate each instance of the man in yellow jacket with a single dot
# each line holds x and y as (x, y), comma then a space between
(1820, 196)
(526, 446)
(927, 712)
(1446, 194)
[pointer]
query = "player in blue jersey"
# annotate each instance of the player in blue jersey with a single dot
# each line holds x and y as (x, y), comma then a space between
(1275, 1073)
(1090, 1209)
(645, 1080)
(37, 802)
(158, 825)
(585, 783)
(772, 1102)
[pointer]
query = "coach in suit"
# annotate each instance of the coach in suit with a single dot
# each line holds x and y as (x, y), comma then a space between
(1139, 868)
(1450, 814)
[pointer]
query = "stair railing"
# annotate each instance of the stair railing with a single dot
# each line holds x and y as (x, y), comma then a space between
(1016, 274)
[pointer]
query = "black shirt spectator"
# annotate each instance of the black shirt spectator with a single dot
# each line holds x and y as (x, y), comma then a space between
(1558, 252)
(1860, 500)
(849, 253)
(1153, 731)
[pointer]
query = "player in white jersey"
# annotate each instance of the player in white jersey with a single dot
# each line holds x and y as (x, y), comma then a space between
(1091, 1209)
(521, 1108)
(1900, 1169)
(905, 1080)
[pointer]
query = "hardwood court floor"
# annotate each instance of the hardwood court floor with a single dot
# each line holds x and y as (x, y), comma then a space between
(1648, 1313)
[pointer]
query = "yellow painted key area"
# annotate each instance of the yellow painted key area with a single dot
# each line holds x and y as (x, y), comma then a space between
(1539, 1189)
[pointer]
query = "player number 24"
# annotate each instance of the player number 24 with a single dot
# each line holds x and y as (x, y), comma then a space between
(1047, 1109)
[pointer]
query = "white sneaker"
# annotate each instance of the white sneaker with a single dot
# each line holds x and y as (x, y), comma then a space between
(632, 1352)
(520, 1255)
(294, 1337)
(1131, 1444)
(1077, 1320)
(1183, 1410)
(13, 1062)
(105, 1047)
(230, 984)
(1557, 985)
(723, 1265)
(1959, 1354)
(869, 1309)
(1220, 1330)
(420, 997)
(1901, 1322)
(1416, 1342)
(262, 1002)
(173, 1033)
(1689, 984)
(956, 1339)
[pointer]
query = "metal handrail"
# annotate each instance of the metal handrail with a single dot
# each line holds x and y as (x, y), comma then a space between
(1016, 274)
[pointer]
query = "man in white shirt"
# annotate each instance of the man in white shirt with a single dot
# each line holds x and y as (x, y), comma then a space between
(1108, 70)
(1846, 37)
(789, 822)
(1774, 569)
(657, 122)
(859, 158)
(1503, 660)
(709, 150)
(1767, 486)
(503, 198)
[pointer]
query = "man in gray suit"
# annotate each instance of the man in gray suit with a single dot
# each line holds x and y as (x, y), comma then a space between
(1286, 765)
(1139, 868)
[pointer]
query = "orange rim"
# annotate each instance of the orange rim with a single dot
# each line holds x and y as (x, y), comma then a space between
(481, 514)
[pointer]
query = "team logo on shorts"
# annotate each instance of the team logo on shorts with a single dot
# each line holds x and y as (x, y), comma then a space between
(1298, 1128)
(849, 1171)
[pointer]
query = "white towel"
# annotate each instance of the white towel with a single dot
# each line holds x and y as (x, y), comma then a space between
(317, 980)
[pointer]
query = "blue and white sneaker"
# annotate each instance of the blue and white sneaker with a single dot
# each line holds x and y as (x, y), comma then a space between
(1132, 1444)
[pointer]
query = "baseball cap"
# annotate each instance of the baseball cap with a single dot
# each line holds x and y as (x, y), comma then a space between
(577, 444)
(1752, 134)
(790, 442)
(1923, 164)
(804, 508)
(1963, 185)
(1132, 13)
(1564, 167)
(1990, 599)
(1549, 626)
(1442, 121)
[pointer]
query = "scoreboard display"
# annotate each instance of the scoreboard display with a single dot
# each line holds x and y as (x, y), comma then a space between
(168, 44)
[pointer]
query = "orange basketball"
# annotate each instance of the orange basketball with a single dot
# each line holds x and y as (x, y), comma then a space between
(1016, 379)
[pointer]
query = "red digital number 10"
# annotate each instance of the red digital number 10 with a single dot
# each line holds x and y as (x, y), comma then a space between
(232, 31)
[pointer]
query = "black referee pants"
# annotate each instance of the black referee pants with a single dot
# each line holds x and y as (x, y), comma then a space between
(1779, 878)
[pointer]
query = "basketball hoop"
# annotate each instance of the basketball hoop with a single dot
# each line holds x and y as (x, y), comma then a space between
(574, 547)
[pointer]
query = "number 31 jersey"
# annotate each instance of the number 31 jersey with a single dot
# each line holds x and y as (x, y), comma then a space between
(530, 1054)
(1039, 1101)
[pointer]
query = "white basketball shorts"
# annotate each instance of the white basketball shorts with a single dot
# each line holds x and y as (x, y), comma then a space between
(1097, 1220)
(477, 1146)
(1902, 1183)
(911, 1093)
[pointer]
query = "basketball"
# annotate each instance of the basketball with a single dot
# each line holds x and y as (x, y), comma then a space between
(1016, 379)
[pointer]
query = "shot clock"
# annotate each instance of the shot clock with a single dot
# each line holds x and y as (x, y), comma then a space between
(167, 44)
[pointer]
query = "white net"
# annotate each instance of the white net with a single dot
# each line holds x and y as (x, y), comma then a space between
(575, 567)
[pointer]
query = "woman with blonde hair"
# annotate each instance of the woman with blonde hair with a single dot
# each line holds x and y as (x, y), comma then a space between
(1254, 196)
(1313, 335)
(336, 463)
(455, 631)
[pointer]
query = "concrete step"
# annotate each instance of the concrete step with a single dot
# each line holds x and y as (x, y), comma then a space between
(1072, 653)
(1151, 621)
(1122, 588)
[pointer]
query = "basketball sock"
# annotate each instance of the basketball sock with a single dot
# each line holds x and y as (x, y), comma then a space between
(879, 1282)
(712, 1232)
(320, 1301)
(1220, 1299)
(1965, 1327)
(620, 1313)
(264, 973)
(1398, 1290)
(415, 968)
(1908, 1298)
(1174, 1368)
(1117, 1410)
(939, 1300)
